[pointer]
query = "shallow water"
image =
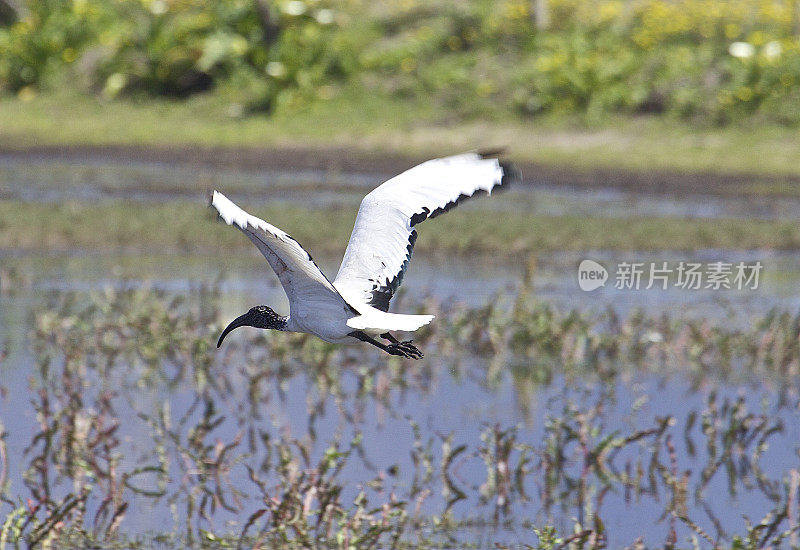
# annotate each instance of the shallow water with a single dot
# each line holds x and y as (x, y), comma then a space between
(452, 392)
(48, 180)
(477, 400)
(247, 279)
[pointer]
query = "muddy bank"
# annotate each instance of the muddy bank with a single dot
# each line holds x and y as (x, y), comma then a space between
(334, 160)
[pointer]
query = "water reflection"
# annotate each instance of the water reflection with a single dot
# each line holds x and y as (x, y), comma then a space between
(246, 279)
(564, 422)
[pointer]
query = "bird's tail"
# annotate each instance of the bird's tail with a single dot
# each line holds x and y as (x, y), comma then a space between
(389, 321)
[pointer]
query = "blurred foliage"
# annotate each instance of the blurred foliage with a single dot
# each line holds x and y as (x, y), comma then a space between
(268, 54)
(696, 59)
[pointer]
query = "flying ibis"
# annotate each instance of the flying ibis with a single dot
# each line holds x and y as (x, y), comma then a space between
(354, 306)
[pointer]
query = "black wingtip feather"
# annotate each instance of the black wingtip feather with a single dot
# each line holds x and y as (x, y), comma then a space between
(511, 175)
(382, 292)
(420, 216)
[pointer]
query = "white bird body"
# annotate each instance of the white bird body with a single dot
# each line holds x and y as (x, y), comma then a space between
(334, 325)
(338, 329)
(355, 305)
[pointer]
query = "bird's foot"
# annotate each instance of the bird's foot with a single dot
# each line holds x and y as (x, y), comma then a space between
(405, 349)
(414, 350)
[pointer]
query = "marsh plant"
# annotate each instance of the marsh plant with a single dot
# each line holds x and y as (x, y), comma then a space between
(134, 416)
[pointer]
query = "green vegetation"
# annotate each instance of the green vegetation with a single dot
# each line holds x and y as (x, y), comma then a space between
(175, 49)
(692, 59)
(624, 85)
(185, 226)
(378, 124)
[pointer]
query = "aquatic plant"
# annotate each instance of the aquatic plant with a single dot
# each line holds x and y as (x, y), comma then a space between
(134, 410)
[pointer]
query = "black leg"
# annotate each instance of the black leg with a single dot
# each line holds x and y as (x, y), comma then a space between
(388, 336)
(400, 349)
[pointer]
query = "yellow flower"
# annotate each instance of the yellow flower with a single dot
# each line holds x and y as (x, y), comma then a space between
(610, 10)
(732, 30)
(69, 55)
(744, 94)
(516, 10)
(757, 38)
(22, 26)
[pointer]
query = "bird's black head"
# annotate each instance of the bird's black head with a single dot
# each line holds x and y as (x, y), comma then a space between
(259, 317)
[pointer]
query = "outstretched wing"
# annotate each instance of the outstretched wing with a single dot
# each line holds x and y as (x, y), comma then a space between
(300, 277)
(383, 237)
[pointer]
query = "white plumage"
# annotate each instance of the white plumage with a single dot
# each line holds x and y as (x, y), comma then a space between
(355, 306)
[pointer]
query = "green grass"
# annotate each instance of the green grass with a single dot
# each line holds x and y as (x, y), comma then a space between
(370, 123)
(189, 227)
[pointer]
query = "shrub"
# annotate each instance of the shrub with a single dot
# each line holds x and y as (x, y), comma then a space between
(178, 47)
(697, 59)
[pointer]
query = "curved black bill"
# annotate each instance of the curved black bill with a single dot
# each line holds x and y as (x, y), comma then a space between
(241, 321)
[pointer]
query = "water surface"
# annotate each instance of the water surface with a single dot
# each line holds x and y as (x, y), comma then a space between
(83, 180)
(405, 414)
(479, 397)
